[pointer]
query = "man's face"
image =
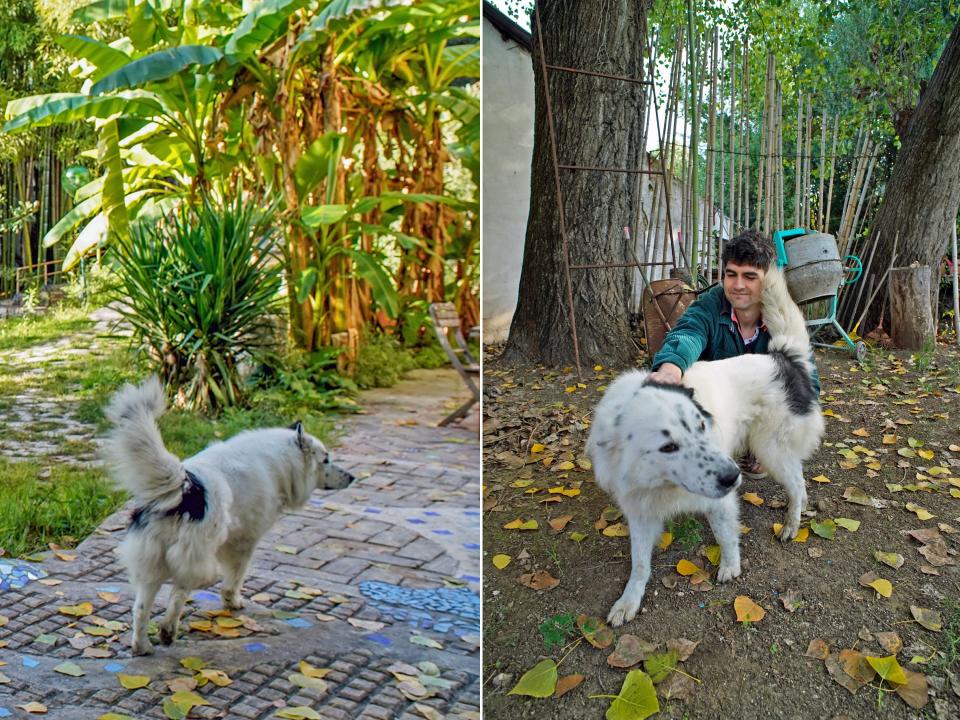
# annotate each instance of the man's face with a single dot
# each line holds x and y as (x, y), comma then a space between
(742, 284)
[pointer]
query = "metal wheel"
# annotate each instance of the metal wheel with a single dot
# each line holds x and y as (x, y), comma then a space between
(860, 350)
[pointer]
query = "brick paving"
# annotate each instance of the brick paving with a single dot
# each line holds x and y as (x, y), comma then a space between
(370, 583)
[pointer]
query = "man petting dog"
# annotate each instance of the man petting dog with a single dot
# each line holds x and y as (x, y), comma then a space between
(725, 321)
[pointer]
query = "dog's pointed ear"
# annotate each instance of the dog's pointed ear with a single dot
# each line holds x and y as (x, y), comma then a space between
(297, 427)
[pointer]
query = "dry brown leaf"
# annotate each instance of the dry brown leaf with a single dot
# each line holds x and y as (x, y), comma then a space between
(890, 642)
(914, 693)
(791, 599)
(566, 684)
(836, 672)
(817, 649)
(683, 647)
(629, 651)
(559, 523)
(539, 580)
(854, 664)
(677, 686)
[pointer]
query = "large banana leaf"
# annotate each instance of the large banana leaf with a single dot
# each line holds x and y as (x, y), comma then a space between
(81, 211)
(319, 163)
(105, 58)
(314, 217)
(113, 192)
(261, 26)
(90, 237)
(71, 108)
(334, 10)
(157, 66)
(381, 284)
(460, 61)
(101, 10)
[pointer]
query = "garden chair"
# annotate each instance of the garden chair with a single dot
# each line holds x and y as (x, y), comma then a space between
(447, 324)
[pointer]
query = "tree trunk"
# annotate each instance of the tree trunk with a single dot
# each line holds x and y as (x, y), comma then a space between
(596, 124)
(912, 324)
(923, 194)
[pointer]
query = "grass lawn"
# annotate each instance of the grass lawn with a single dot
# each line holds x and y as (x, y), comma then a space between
(56, 373)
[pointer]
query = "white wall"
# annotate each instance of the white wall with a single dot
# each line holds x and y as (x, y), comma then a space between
(507, 149)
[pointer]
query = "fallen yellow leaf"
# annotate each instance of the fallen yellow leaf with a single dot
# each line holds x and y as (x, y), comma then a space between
(520, 524)
(499, 562)
(747, 610)
(685, 567)
(752, 498)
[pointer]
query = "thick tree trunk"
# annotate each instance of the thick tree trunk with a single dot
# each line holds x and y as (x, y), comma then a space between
(598, 124)
(912, 325)
(921, 199)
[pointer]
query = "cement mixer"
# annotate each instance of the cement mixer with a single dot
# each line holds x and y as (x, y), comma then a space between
(815, 273)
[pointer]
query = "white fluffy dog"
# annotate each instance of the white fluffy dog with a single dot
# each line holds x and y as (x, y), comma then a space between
(200, 519)
(662, 450)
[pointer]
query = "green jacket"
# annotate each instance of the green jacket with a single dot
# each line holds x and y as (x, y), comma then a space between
(706, 331)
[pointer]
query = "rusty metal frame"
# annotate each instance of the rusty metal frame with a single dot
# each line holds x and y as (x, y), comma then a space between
(557, 167)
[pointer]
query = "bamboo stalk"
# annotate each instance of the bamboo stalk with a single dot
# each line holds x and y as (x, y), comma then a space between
(732, 144)
(833, 155)
(854, 190)
(863, 193)
(711, 155)
(823, 150)
(764, 132)
(797, 172)
(745, 122)
(807, 162)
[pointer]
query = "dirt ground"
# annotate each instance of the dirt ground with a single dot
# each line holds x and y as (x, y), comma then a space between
(890, 423)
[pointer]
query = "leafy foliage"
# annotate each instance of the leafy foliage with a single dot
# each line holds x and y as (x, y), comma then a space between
(200, 289)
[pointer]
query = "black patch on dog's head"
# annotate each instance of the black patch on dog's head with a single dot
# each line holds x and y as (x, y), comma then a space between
(796, 382)
(683, 390)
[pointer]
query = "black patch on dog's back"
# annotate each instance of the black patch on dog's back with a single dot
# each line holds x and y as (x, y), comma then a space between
(194, 500)
(193, 505)
(797, 386)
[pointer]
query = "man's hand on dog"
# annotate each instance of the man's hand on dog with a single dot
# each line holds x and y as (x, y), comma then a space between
(667, 373)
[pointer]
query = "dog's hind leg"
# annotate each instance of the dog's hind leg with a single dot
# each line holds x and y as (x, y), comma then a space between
(788, 471)
(141, 618)
(171, 619)
(234, 566)
(644, 532)
(724, 520)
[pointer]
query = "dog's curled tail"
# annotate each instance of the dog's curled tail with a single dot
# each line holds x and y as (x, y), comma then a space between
(134, 448)
(784, 321)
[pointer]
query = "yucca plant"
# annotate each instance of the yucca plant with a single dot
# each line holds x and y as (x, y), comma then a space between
(200, 289)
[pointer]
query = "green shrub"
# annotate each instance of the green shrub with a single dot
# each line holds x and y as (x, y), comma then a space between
(381, 362)
(201, 291)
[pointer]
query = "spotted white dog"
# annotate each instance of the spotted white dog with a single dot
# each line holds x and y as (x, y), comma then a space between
(199, 519)
(663, 450)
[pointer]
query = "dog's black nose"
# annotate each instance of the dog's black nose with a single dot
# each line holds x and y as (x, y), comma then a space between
(729, 479)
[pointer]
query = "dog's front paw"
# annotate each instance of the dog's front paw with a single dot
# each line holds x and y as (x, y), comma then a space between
(728, 572)
(233, 602)
(625, 609)
(142, 647)
(789, 531)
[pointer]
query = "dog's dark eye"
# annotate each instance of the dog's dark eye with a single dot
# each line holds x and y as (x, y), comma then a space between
(669, 448)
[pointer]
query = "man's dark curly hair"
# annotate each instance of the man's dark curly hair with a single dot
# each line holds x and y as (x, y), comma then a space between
(749, 248)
